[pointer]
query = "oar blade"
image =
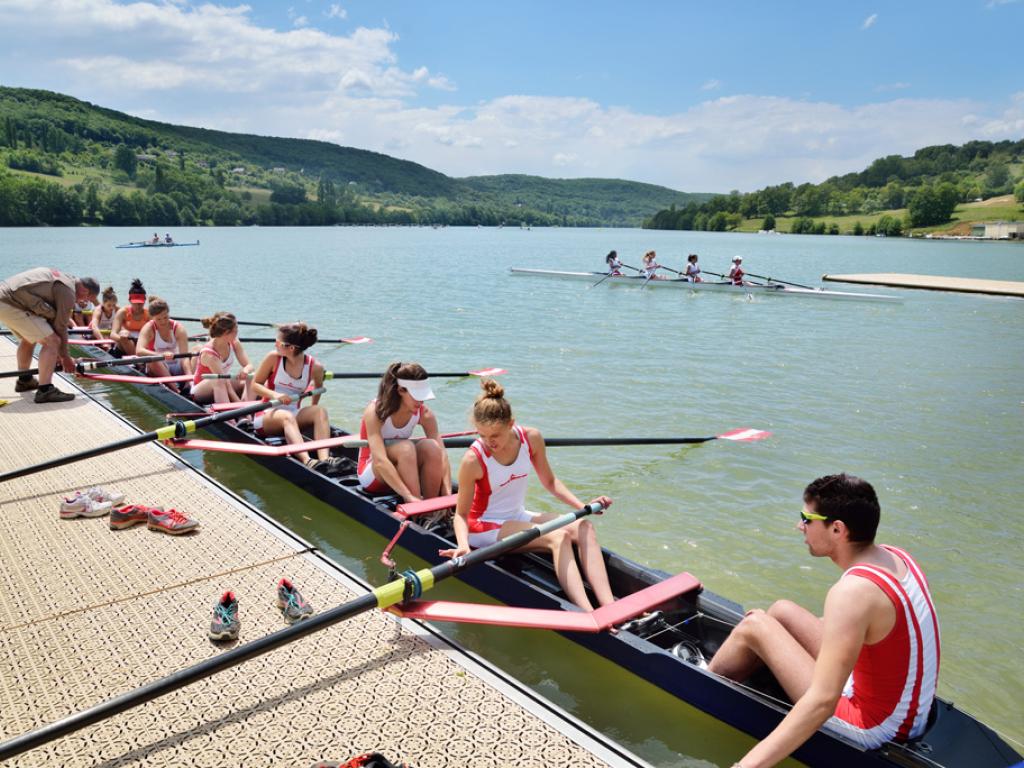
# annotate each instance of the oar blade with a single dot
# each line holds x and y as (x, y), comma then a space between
(487, 372)
(744, 435)
(356, 340)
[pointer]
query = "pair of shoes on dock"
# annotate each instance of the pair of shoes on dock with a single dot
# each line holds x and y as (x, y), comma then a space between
(94, 502)
(44, 394)
(225, 624)
(169, 521)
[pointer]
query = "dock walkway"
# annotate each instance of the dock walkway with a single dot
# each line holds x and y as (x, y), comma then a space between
(87, 613)
(933, 283)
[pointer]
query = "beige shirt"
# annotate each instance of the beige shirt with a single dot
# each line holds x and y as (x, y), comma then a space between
(45, 292)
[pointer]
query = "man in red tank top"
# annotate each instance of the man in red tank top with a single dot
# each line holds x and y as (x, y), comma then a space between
(868, 668)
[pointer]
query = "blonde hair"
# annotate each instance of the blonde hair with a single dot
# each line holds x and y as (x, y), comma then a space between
(219, 324)
(157, 306)
(491, 405)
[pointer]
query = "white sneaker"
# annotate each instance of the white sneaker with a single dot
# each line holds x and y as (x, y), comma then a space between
(81, 505)
(116, 498)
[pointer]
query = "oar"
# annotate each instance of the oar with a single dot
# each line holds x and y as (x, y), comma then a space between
(736, 435)
(178, 429)
(345, 375)
(238, 322)
(603, 279)
(784, 282)
(411, 585)
(351, 340)
(6, 332)
(635, 269)
(132, 360)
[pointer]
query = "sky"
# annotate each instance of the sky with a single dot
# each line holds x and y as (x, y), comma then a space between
(697, 96)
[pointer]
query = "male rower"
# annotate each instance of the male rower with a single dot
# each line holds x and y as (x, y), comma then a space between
(869, 668)
(37, 306)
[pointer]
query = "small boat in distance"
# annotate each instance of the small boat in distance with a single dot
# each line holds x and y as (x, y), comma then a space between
(155, 245)
(757, 289)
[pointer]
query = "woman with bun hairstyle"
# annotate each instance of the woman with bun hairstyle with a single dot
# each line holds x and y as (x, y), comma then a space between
(103, 317)
(492, 499)
(164, 336)
(218, 356)
(284, 375)
(414, 469)
(129, 320)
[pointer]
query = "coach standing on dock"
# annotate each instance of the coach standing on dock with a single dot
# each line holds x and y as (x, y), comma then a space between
(37, 306)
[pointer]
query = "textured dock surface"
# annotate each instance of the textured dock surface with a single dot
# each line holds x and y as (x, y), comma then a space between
(87, 613)
(933, 283)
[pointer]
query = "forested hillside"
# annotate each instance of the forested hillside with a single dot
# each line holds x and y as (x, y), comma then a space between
(893, 195)
(70, 162)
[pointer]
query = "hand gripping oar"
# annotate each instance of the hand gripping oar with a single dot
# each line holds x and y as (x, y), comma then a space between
(411, 585)
(345, 375)
(178, 429)
(784, 282)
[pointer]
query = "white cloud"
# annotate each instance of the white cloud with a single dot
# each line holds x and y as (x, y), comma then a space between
(300, 21)
(884, 87)
(711, 85)
(869, 22)
(997, 3)
(564, 158)
(336, 12)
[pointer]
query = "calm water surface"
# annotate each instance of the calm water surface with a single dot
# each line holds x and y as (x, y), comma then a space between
(924, 399)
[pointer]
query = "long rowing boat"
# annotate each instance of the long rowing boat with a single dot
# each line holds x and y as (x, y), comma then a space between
(757, 289)
(675, 621)
(156, 245)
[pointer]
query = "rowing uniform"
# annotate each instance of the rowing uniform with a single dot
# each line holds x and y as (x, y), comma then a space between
(281, 381)
(614, 267)
(225, 362)
(500, 495)
(105, 322)
(890, 692)
(134, 324)
(693, 273)
(736, 275)
(162, 345)
(388, 431)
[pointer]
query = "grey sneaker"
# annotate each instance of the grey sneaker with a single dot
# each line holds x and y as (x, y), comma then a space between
(225, 623)
(126, 517)
(26, 386)
(171, 521)
(53, 395)
(291, 602)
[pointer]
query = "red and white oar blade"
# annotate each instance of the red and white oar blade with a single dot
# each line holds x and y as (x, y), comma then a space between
(91, 342)
(356, 340)
(488, 372)
(745, 435)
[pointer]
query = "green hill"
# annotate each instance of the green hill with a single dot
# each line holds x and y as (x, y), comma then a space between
(65, 155)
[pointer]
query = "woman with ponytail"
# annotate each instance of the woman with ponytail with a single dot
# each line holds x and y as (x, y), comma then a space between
(164, 336)
(129, 319)
(492, 499)
(103, 318)
(218, 356)
(414, 469)
(285, 374)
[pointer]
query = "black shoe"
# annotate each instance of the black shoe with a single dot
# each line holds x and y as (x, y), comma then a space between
(26, 385)
(52, 395)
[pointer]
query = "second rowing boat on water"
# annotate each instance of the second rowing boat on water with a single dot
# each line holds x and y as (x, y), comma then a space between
(156, 245)
(757, 289)
(667, 624)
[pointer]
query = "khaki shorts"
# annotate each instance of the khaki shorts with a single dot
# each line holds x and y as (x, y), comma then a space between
(28, 326)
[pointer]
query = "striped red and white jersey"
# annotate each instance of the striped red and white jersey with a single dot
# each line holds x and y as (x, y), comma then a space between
(890, 692)
(500, 494)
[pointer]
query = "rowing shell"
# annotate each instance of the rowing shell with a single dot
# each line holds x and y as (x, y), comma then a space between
(657, 647)
(156, 245)
(767, 289)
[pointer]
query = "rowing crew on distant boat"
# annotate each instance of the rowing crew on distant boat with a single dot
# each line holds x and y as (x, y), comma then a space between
(770, 287)
(156, 242)
(666, 625)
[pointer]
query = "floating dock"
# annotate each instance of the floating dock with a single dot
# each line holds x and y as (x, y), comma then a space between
(933, 283)
(87, 613)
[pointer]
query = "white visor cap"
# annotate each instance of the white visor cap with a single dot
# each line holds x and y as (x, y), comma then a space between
(418, 388)
(737, 258)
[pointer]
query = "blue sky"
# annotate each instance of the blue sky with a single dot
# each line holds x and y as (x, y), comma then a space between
(696, 96)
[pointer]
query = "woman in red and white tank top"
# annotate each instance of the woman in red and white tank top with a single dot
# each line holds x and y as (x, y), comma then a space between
(285, 374)
(414, 469)
(102, 322)
(218, 356)
(736, 273)
(163, 336)
(492, 499)
(128, 320)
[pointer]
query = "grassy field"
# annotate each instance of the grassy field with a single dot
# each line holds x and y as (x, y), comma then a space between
(1003, 208)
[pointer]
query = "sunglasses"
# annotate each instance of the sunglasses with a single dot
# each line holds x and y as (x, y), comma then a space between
(807, 517)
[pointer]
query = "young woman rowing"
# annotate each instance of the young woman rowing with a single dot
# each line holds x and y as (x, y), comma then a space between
(285, 374)
(492, 498)
(693, 269)
(651, 266)
(218, 356)
(103, 317)
(614, 265)
(164, 336)
(413, 469)
(129, 320)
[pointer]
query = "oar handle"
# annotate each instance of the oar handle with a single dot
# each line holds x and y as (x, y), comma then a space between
(131, 360)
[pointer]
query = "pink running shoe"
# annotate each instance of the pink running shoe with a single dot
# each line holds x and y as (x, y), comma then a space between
(171, 521)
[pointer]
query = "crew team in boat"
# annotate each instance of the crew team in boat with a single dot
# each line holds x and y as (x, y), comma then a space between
(286, 374)
(414, 469)
(491, 503)
(218, 356)
(129, 320)
(164, 336)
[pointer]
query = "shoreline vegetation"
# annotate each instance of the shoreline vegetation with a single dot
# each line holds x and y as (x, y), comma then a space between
(66, 162)
(940, 191)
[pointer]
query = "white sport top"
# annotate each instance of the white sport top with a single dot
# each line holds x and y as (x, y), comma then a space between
(500, 495)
